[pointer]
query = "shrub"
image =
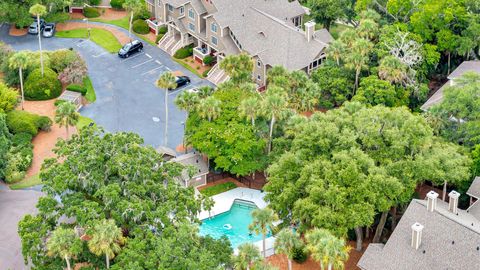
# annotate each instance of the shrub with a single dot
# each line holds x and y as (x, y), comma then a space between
(61, 59)
(157, 39)
(300, 254)
(8, 98)
(183, 52)
(77, 88)
(205, 73)
(143, 14)
(22, 139)
(141, 27)
(94, 2)
(19, 159)
(25, 122)
(75, 72)
(90, 12)
(117, 4)
(42, 88)
(58, 17)
(163, 30)
(58, 102)
(208, 60)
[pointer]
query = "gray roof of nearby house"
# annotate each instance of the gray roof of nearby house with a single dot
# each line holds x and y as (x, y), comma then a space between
(436, 98)
(193, 159)
(474, 189)
(197, 4)
(166, 151)
(466, 66)
(448, 241)
(277, 42)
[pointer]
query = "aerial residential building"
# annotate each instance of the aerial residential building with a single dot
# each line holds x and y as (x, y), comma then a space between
(268, 30)
(466, 66)
(432, 234)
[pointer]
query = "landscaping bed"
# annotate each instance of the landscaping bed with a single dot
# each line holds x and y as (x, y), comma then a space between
(217, 189)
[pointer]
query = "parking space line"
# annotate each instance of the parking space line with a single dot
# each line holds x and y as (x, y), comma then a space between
(168, 68)
(148, 55)
(158, 62)
(142, 63)
(132, 57)
(98, 55)
(152, 70)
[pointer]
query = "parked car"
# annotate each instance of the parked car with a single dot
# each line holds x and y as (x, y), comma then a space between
(49, 30)
(182, 81)
(33, 28)
(130, 48)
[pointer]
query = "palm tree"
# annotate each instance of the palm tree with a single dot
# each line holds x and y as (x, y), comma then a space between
(357, 62)
(248, 254)
(336, 50)
(187, 101)
(286, 242)
(205, 91)
(262, 220)
(274, 105)
(367, 28)
(348, 37)
(263, 265)
(249, 108)
(465, 47)
(66, 115)
(209, 108)
(19, 60)
(132, 6)
(39, 10)
(106, 239)
(392, 69)
(327, 249)
(166, 81)
(238, 67)
(65, 244)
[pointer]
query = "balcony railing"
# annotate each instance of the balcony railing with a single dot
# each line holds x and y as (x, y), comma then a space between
(153, 24)
(200, 52)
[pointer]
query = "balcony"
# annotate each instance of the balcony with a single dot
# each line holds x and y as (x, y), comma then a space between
(200, 52)
(154, 25)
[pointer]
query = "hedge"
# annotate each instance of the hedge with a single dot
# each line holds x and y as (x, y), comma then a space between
(42, 88)
(208, 60)
(91, 12)
(184, 52)
(163, 30)
(8, 98)
(117, 4)
(77, 88)
(141, 27)
(157, 39)
(25, 122)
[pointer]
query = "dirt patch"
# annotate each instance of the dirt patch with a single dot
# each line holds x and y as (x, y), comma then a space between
(44, 142)
(17, 32)
(122, 38)
(195, 64)
(105, 14)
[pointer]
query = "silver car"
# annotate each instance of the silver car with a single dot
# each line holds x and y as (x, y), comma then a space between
(33, 29)
(49, 30)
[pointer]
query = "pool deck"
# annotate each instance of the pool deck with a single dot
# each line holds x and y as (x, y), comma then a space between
(224, 201)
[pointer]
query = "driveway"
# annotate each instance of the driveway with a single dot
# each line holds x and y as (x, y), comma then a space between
(13, 206)
(127, 98)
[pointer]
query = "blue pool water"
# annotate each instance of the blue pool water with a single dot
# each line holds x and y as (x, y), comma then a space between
(233, 224)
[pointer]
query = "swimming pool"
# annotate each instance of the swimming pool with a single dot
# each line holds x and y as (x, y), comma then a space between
(233, 224)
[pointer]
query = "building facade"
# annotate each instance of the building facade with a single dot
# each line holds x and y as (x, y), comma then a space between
(270, 31)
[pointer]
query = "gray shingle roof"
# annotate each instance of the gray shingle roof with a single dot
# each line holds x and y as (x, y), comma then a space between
(464, 67)
(197, 4)
(474, 189)
(194, 159)
(436, 98)
(449, 241)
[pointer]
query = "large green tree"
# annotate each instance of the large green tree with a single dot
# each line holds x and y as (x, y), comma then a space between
(326, 12)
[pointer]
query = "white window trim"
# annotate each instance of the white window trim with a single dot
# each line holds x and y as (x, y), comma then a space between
(182, 10)
(190, 11)
(214, 25)
(190, 28)
(170, 7)
(214, 43)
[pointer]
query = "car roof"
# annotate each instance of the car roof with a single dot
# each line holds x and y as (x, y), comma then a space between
(135, 42)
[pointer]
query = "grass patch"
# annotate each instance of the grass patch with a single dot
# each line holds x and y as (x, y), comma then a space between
(102, 37)
(27, 182)
(217, 189)
(90, 95)
(337, 29)
(84, 121)
(124, 23)
(187, 66)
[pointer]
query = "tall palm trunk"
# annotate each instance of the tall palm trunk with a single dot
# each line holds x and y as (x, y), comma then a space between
(330, 266)
(68, 262)
(357, 74)
(289, 264)
(107, 261)
(448, 71)
(444, 193)
(264, 251)
(66, 127)
(272, 122)
(359, 234)
(130, 26)
(165, 134)
(380, 226)
(20, 72)
(40, 42)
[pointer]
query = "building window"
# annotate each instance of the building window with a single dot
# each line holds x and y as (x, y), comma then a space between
(170, 7)
(182, 10)
(214, 27)
(214, 40)
(259, 78)
(191, 14)
(191, 26)
(259, 64)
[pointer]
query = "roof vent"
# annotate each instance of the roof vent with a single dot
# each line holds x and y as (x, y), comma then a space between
(432, 201)
(309, 30)
(453, 201)
(417, 229)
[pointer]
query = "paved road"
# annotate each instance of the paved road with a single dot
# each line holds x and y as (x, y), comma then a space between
(127, 98)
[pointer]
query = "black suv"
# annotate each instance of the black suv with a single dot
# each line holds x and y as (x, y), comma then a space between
(130, 48)
(182, 81)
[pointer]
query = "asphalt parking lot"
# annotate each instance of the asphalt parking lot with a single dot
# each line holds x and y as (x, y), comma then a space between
(127, 98)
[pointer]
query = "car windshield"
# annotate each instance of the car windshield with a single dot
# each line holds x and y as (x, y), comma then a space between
(127, 46)
(48, 28)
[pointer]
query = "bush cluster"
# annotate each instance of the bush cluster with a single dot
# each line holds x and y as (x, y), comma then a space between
(8, 98)
(61, 59)
(58, 17)
(184, 52)
(90, 12)
(77, 88)
(141, 27)
(38, 87)
(142, 14)
(117, 4)
(157, 39)
(300, 254)
(163, 30)
(208, 60)
(19, 160)
(25, 122)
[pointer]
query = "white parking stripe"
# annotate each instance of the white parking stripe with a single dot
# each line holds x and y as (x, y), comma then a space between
(158, 62)
(98, 55)
(142, 63)
(148, 55)
(131, 57)
(168, 68)
(152, 70)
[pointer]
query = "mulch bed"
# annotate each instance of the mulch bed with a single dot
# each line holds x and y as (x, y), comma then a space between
(17, 32)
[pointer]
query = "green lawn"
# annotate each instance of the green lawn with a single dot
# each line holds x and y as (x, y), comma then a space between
(27, 182)
(217, 189)
(84, 121)
(124, 23)
(102, 37)
(90, 95)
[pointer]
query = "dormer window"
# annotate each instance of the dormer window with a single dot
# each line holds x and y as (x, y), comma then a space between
(182, 10)
(170, 7)
(259, 64)
(191, 14)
